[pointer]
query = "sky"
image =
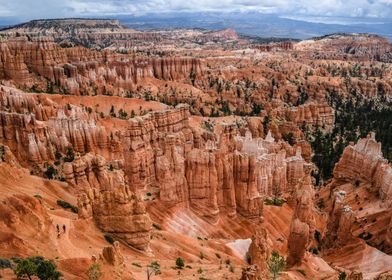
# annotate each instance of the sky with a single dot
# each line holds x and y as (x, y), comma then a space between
(305, 9)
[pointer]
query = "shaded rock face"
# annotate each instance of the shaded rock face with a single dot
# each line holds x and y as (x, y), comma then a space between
(80, 70)
(364, 162)
(112, 255)
(108, 199)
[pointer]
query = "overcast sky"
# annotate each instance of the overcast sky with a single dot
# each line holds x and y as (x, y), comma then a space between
(30, 9)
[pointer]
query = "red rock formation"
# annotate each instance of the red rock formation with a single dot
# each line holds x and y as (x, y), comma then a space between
(259, 251)
(302, 225)
(364, 162)
(340, 222)
(250, 273)
(108, 199)
(112, 255)
(83, 71)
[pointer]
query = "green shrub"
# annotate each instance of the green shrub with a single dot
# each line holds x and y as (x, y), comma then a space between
(317, 236)
(47, 270)
(276, 264)
(275, 201)
(313, 250)
(157, 227)
(50, 172)
(36, 266)
(200, 270)
(94, 272)
(67, 205)
(342, 276)
(38, 196)
(302, 272)
(69, 154)
(365, 235)
(109, 238)
(180, 263)
(4, 263)
(137, 264)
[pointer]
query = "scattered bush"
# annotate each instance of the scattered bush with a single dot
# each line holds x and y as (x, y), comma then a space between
(342, 276)
(313, 250)
(200, 270)
(157, 227)
(365, 235)
(94, 272)
(38, 196)
(180, 263)
(201, 256)
(275, 201)
(36, 266)
(67, 205)
(302, 272)
(109, 238)
(69, 155)
(276, 264)
(4, 263)
(153, 268)
(50, 172)
(317, 236)
(137, 264)
(217, 255)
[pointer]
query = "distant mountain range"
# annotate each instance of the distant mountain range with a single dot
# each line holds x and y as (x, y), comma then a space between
(255, 24)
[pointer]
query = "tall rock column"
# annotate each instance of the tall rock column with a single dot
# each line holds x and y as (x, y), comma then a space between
(302, 225)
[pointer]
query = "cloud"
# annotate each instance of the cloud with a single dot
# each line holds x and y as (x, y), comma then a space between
(28, 9)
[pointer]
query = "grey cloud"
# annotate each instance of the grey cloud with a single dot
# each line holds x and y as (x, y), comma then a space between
(27, 9)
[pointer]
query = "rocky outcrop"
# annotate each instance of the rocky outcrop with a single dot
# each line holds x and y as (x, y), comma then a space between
(35, 128)
(108, 199)
(259, 251)
(112, 255)
(250, 273)
(363, 162)
(81, 71)
(340, 221)
(302, 225)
